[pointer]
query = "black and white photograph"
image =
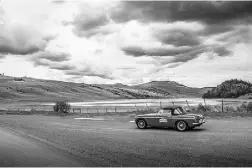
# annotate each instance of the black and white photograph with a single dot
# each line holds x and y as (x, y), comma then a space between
(116, 83)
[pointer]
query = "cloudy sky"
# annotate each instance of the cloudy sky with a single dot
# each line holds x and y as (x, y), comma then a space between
(194, 43)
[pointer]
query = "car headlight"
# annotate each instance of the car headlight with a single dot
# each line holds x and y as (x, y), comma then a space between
(197, 118)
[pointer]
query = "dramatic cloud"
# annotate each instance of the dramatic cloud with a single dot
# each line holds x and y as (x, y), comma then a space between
(21, 40)
(2, 56)
(89, 21)
(53, 56)
(237, 35)
(52, 60)
(137, 51)
(58, 1)
(126, 42)
(178, 38)
(90, 71)
(62, 67)
(222, 51)
(205, 11)
(52, 65)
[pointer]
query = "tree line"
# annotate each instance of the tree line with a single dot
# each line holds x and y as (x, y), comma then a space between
(233, 88)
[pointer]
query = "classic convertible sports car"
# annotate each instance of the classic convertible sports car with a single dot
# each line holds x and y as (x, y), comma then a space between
(170, 116)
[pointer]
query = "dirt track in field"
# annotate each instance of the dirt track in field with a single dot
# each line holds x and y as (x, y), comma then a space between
(115, 141)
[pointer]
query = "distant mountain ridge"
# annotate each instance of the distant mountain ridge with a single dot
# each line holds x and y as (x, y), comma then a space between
(30, 89)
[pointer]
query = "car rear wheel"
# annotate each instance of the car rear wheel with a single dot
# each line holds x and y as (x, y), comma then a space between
(141, 124)
(181, 126)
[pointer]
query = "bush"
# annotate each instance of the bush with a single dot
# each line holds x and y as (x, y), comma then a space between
(62, 107)
(202, 108)
(18, 79)
(233, 88)
(249, 107)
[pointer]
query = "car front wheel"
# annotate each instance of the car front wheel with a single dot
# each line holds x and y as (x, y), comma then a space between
(181, 126)
(141, 124)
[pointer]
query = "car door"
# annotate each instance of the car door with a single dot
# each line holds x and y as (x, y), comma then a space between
(166, 118)
(153, 120)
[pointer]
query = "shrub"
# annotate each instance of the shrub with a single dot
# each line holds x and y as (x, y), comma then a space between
(230, 108)
(202, 108)
(62, 107)
(249, 107)
(242, 107)
(18, 79)
(229, 89)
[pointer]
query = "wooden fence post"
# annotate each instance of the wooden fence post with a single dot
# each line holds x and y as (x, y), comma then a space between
(147, 106)
(205, 102)
(187, 104)
(136, 108)
(222, 104)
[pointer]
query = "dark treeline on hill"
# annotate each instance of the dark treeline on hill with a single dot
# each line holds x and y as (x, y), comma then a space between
(233, 88)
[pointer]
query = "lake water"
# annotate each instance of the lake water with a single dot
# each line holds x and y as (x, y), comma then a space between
(156, 102)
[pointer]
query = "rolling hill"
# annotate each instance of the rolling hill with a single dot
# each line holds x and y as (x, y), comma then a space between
(30, 89)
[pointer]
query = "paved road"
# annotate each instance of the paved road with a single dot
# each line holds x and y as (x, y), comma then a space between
(17, 150)
(117, 142)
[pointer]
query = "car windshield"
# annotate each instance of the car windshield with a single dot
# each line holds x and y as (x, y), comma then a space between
(179, 110)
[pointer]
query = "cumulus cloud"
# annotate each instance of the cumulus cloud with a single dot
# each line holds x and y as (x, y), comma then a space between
(53, 56)
(89, 21)
(58, 1)
(125, 41)
(21, 40)
(90, 71)
(222, 51)
(137, 51)
(62, 67)
(2, 56)
(182, 23)
(53, 65)
(237, 35)
(52, 60)
(178, 38)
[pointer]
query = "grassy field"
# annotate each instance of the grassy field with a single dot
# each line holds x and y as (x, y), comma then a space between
(37, 90)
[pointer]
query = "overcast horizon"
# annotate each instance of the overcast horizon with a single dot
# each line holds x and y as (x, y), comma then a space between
(197, 44)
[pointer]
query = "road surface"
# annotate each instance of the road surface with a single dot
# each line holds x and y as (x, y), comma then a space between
(17, 150)
(114, 141)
